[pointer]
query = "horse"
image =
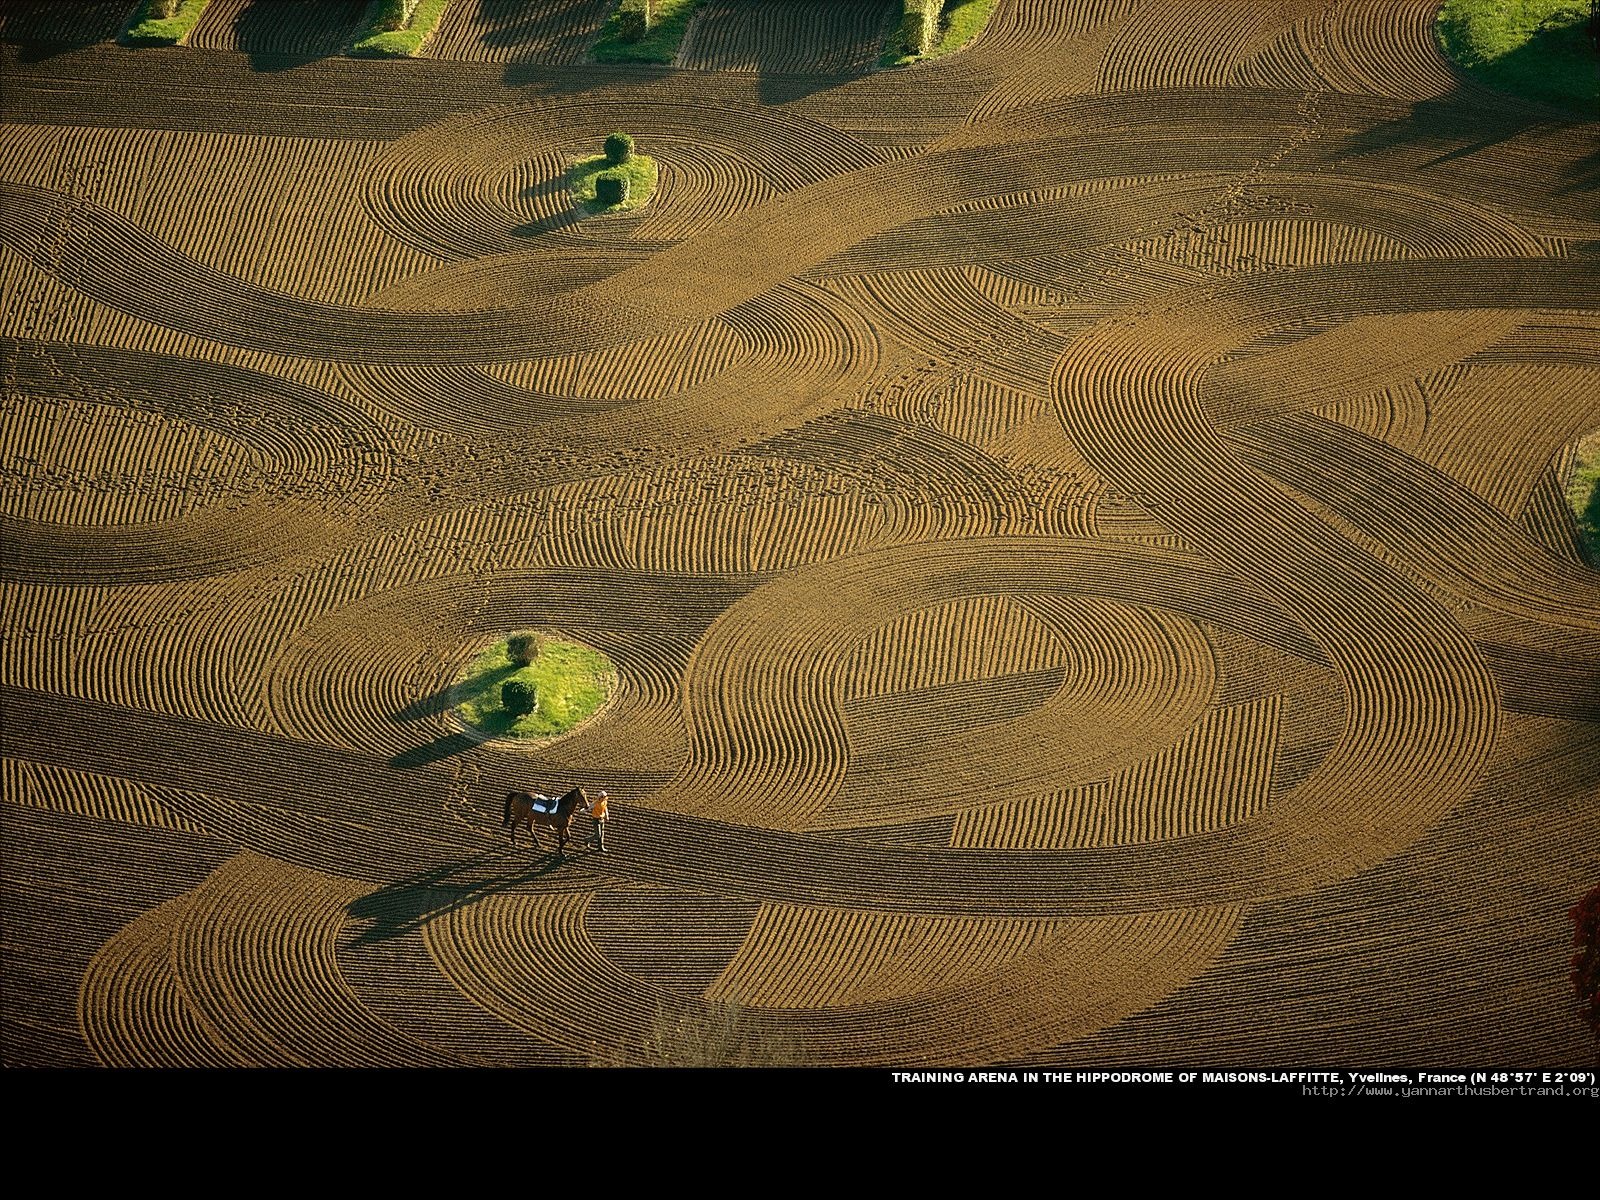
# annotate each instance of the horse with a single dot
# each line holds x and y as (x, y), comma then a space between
(520, 811)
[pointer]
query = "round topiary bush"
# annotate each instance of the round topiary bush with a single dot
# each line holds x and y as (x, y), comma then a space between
(619, 148)
(523, 648)
(518, 698)
(610, 188)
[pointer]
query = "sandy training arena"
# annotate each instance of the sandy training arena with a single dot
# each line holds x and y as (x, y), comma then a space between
(1078, 526)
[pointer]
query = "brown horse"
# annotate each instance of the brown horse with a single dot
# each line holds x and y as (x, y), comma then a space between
(520, 811)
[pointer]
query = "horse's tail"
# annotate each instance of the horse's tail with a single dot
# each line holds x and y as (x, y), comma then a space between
(510, 796)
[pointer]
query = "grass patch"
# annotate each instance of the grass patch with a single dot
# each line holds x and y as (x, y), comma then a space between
(640, 170)
(573, 682)
(1534, 48)
(659, 45)
(956, 26)
(718, 1033)
(963, 21)
(1583, 495)
(378, 38)
(162, 23)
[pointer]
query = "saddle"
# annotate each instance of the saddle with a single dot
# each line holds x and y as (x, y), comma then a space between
(543, 803)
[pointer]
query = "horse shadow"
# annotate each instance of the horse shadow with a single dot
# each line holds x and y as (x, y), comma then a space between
(408, 905)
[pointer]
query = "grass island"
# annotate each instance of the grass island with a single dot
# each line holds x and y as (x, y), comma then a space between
(1534, 48)
(617, 180)
(572, 682)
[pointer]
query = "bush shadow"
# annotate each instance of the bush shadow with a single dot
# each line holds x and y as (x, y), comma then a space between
(435, 751)
(435, 705)
(1489, 109)
(43, 29)
(557, 221)
(545, 187)
(549, 33)
(265, 31)
(442, 701)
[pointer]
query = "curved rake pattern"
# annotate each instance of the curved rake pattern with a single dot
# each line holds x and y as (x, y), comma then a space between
(1078, 525)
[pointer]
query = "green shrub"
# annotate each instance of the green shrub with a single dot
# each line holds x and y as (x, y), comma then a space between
(569, 682)
(634, 19)
(398, 28)
(523, 648)
(619, 148)
(392, 15)
(626, 37)
(163, 22)
(1583, 495)
(919, 26)
(584, 175)
(963, 20)
(518, 698)
(715, 1033)
(611, 188)
(930, 29)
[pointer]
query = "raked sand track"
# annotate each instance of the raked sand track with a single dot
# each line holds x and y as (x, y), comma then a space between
(1078, 526)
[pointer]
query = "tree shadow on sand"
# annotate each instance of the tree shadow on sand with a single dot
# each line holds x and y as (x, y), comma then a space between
(1477, 117)
(441, 748)
(446, 746)
(260, 31)
(548, 33)
(554, 66)
(45, 28)
(564, 218)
